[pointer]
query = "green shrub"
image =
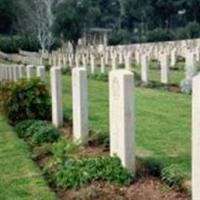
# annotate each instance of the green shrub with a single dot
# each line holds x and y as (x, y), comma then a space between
(28, 99)
(14, 43)
(173, 176)
(8, 45)
(77, 172)
(193, 30)
(42, 132)
(21, 128)
(120, 37)
(64, 149)
(37, 131)
(159, 34)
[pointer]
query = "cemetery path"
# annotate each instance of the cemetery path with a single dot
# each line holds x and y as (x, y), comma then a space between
(20, 179)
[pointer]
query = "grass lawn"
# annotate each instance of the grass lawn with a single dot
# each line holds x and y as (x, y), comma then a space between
(163, 121)
(20, 179)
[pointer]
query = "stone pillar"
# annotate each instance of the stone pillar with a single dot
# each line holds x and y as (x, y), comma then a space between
(30, 71)
(84, 62)
(145, 69)
(11, 77)
(122, 125)
(173, 58)
(106, 58)
(102, 65)
(164, 62)
(190, 65)
(15, 73)
(92, 64)
(56, 95)
(64, 62)
(77, 61)
(7, 72)
(114, 62)
(196, 138)
(41, 72)
(128, 63)
(120, 58)
(80, 103)
(22, 71)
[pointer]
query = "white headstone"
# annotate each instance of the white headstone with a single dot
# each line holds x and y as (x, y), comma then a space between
(56, 95)
(145, 69)
(30, 70)
(102, 65)
(41, 72)
(80, 105)
(164, 62)
(196, 139)
(122, 125)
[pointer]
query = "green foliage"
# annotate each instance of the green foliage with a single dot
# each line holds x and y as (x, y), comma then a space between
(13, 44)
(73, 15)
(37, 132)
(120, 37)
(21, 128)
(159, 34)
(193, 30)
(28, 99)
(42, 132)
(7, 15)
(63, 150)
(78, 172)
(173, 176)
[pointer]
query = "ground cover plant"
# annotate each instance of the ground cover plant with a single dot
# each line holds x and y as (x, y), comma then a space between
(37, 132)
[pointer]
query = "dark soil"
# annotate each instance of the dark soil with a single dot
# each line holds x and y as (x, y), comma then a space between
(146, 188)
(174, 88)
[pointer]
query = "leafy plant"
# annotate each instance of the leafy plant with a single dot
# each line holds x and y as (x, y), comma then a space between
(21, 128)
(42, 132)
(37, 131)
(28, 99)
(64, 149)
(77, 172)
(173, 176)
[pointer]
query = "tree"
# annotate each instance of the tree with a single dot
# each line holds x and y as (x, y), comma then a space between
(37, 18)
(7, 15)
(73, 18)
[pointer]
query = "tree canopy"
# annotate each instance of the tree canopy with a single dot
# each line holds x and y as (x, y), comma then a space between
(130, 20)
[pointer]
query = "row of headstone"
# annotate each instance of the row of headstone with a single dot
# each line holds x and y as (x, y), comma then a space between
(112, 61)
(122, 125)
(16, 72)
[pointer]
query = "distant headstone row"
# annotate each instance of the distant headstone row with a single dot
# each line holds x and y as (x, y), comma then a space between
(16, 72)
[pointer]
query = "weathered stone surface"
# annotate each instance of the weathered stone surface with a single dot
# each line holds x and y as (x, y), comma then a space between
(122, 125)
(56, 93)
(80, 103)
(196, 139)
